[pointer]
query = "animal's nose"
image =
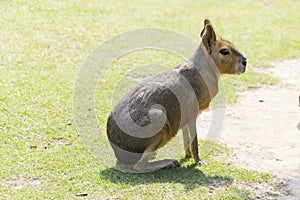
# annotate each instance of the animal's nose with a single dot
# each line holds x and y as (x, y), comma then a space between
(244, 62)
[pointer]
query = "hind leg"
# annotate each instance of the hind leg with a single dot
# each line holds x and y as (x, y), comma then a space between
(143, 165)
(162, 164)
(143, 161)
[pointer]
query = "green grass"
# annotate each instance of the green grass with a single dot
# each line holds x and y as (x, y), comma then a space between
(42, 47)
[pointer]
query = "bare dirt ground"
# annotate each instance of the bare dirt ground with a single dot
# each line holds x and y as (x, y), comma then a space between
(263, 128)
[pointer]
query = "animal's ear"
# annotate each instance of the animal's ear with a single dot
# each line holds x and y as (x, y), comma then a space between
(209, 37)
(203, 30)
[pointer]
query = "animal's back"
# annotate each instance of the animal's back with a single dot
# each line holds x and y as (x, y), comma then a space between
(138, 102)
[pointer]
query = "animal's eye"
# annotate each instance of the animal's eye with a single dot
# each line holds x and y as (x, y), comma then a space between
(224, 51)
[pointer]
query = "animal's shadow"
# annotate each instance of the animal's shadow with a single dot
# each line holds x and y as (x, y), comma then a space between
(191, 177)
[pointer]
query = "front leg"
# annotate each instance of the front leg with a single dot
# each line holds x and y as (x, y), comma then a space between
(186, 141)
(194, 144)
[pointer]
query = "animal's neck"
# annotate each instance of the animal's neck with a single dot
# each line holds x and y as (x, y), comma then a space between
(204, 62)
(206, 68)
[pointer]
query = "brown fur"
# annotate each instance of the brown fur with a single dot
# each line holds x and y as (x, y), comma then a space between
(181, 94)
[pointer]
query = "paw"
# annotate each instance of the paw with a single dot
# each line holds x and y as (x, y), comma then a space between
(188, 154)
(201, 163)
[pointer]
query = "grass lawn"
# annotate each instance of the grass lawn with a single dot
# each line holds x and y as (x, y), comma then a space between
(42, 47)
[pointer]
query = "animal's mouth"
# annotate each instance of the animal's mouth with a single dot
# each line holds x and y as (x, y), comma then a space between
(242, 70)
(242, 66)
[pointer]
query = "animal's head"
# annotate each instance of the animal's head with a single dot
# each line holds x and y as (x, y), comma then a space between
(228, 59)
